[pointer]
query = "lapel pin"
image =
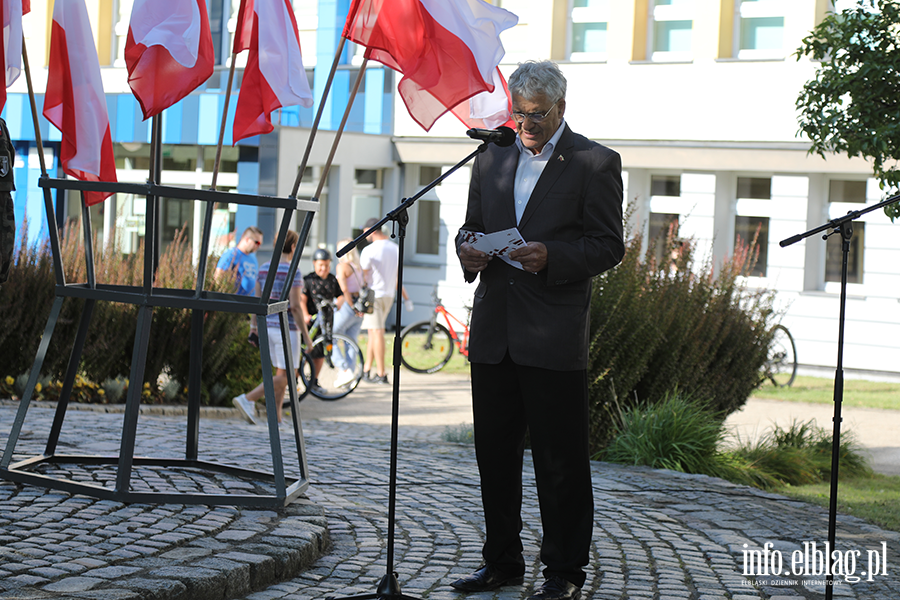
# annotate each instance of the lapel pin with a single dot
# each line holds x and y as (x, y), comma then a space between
(560, 158)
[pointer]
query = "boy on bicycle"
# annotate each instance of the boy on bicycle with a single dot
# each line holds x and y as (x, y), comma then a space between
(320, 285)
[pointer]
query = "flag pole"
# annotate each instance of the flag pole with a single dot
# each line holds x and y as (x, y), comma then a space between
(37, 128)
(52, 229)
(215, 174)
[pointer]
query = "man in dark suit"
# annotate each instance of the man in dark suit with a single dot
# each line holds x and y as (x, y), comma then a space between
(529, 331)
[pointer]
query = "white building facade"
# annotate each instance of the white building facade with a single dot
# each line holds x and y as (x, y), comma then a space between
(697, 95)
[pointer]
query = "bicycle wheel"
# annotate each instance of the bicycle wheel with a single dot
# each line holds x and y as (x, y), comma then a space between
(342, 367)
(782, 362)
(425, 348)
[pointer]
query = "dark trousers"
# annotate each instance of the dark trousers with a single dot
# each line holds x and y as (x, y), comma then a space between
(507, 400)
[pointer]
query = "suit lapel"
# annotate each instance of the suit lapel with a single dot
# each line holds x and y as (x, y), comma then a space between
(559, 161)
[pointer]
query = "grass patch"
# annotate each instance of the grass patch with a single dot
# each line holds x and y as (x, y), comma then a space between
(875, 499)
(463, 433)
(820, 390)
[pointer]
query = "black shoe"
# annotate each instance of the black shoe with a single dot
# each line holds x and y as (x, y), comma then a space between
(556, 588)
(486, 578)
(380, 379)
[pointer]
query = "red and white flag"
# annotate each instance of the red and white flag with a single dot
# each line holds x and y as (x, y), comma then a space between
(274, 76)
(11, 48)
(75, 102)
(447, 51)
(169, 51)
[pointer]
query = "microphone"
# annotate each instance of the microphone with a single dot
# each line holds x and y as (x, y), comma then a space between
(502, 136)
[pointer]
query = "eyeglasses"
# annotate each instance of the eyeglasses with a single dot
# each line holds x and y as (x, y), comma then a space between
(535, 117)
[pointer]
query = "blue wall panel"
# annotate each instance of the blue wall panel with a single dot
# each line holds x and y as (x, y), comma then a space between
(373, 99)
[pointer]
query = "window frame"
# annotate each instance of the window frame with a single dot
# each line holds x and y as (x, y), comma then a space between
(668, 13)
(587, 15)
(757, 9)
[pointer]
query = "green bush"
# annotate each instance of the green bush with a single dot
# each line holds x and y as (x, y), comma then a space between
(679, 325)
(675, 433)
(26, 298)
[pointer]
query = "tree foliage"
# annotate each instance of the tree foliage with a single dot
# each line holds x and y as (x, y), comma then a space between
(852, 105)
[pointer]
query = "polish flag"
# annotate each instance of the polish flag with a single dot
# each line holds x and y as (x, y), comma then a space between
(11, 46)
(274, 76)
(169, 51)
(74, 100)
(447, 51)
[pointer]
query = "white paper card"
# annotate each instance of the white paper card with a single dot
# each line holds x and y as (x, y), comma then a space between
(499, 243)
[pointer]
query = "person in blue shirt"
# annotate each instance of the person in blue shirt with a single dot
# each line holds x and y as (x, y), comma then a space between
(241, 262)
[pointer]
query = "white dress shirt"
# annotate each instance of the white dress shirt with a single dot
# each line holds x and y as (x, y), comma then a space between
(530, 168)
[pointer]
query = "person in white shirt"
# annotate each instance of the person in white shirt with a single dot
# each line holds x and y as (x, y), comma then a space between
(380, 262)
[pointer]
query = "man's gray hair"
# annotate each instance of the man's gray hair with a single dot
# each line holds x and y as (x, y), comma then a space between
(534, 78)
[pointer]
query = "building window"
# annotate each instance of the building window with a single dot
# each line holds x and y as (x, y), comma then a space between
(759, 188)
(367, 196)
(842, 194)
(665, 185)
(661, 226)
(834, 255)
(846, 191)
(759, 29)
(748, 229)
(589, 27)
(671, 25)
(428, 227)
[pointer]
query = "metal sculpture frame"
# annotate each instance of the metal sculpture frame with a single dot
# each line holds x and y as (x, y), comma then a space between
(147, 297)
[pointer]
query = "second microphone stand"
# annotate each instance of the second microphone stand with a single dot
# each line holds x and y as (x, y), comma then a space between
(844, 227)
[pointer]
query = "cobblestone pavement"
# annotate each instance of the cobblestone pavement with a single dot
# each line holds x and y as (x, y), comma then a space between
(658, 534)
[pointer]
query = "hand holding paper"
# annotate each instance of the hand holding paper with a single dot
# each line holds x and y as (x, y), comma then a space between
(499, 243)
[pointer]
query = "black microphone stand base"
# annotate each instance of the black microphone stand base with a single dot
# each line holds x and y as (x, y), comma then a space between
(388, 589)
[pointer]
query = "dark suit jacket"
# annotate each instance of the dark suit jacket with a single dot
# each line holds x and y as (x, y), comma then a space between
(576, 211)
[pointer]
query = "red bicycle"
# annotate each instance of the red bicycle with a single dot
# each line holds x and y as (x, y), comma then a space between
(426, 346)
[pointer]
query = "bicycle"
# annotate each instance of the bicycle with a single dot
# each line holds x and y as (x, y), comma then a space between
(781, 364)
(427, 346)
(341, 359)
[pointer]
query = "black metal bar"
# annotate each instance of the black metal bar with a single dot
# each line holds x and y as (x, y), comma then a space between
(53, 233)
(272, 404)
(65, 394)
(174, 298)
(133, 403)
(203, 259)
(295, 400)
(16, 428)
(153, 189)
(88, 242)
(16, 474)
(192, 435)
(298, 252)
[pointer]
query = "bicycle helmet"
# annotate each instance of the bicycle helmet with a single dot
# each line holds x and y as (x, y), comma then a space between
(321, 254)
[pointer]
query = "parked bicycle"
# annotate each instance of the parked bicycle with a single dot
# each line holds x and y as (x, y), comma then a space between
(338, 358)
(781, 365)
(427, 346)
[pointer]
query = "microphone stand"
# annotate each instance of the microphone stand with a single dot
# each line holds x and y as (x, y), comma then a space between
(389, 587)
(843, 226)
